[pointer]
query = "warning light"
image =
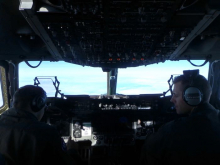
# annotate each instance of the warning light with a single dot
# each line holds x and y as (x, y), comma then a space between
(110, 59)
(118, 59)
(142, 59)
(133, 59)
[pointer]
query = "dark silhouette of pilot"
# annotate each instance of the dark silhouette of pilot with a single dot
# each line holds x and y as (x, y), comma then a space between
(193, 139)
(24, 140)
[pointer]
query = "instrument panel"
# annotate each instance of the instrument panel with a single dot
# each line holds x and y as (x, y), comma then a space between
(115, 125)
(103, 119)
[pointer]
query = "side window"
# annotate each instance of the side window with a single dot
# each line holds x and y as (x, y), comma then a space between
(3, 91)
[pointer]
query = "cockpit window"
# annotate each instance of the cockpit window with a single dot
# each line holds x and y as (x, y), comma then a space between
(153, 78)
(79, 80)
(74, 79)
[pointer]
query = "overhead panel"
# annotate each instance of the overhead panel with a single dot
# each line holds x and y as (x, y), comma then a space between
(115, 33)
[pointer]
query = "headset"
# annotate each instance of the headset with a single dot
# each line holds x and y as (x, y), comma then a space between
(192, 95)
(38, 102)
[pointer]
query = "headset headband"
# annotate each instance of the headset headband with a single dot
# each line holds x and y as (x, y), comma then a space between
(191, 74)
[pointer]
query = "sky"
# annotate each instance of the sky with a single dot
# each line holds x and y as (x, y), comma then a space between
(153, 78)
(79, 80)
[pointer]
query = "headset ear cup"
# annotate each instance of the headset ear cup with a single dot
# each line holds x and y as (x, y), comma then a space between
(38, 103)
(192, 96)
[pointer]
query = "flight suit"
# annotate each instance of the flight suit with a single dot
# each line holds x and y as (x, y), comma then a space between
(188, 140)
(26, 141)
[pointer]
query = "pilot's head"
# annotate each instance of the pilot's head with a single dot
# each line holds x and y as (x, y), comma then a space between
(180, 84)
(30, 98)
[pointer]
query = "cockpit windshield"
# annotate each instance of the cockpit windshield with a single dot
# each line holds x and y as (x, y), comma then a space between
(79, 80)
(74, 79)
(153, 78)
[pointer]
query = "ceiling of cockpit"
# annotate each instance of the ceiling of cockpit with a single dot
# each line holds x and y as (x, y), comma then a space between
(109, 33)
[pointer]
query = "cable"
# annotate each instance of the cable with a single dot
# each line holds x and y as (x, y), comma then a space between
(182, 7)
(33, 66)
(10, 62)
(198, 65)
(212, 73)
(207, 60)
